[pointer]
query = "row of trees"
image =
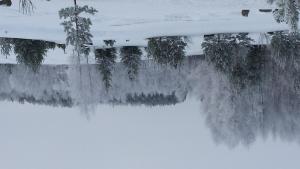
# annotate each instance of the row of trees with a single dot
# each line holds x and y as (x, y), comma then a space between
(168, 51)
(235, 56)
(253, 93)
(28, 52)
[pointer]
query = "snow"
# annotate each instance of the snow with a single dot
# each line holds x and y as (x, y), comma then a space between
(171, 137)
(138, 137)
(131, 22)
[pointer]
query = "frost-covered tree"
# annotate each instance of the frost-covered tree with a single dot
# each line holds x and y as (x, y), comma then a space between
(286, 50)
(5, 46)
(167, 50)
(288, 11)
(229, 53)
(219, 51)
(30, 52)
(224, 51)
(255, 63)
(77, 27)
(268, 107)
(131, 58)
(105, 59)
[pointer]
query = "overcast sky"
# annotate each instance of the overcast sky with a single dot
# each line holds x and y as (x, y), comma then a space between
(121, 137)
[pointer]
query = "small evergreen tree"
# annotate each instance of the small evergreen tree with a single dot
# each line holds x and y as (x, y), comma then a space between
(105, 59)
(219, 51)
(77, 27)
(131, 58)
(167, 50)
(5, 46)
(30, 52)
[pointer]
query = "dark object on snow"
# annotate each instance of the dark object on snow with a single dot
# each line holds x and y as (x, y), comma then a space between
(209, 36)
(6, 2)
(265, 10)
(245, 12)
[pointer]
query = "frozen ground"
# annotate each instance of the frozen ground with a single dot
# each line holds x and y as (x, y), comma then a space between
(130, 22)
(123, 137)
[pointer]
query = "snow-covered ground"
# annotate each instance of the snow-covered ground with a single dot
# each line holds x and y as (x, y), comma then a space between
(123, 137)
(130, 22)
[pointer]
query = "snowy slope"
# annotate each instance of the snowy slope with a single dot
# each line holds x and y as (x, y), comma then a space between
(139, 19)
(130, 22)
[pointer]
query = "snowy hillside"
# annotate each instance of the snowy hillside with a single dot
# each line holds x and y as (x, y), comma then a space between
(138, 19)
(130, 22)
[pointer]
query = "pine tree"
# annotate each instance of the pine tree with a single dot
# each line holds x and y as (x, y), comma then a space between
(219, 51)
(131, 58)
(288, 11)
(77, 27)
(30, 52)
(167, 50)
(229, 54)
(105, 59)
(5, 46)
(285, 50)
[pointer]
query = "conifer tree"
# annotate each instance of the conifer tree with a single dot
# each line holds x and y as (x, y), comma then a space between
(131, 58)
(30, 52)
(219, 51)
(105, 59)
(167, 50)
(5, 46)
(229, 54)
(285, 50)
(77, 27)
(288, 11)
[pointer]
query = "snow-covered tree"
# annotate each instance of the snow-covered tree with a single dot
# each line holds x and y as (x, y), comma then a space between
(224, 51)
(219, 51)
(286, 50)
(167, 50)
(105, 59)
(5, 46)
(131, 58)
(77, 27)
(288, 11)
(229, 53)
(31, 52)
(268, 107)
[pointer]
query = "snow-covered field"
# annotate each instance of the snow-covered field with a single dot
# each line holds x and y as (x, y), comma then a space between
(130, 22)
